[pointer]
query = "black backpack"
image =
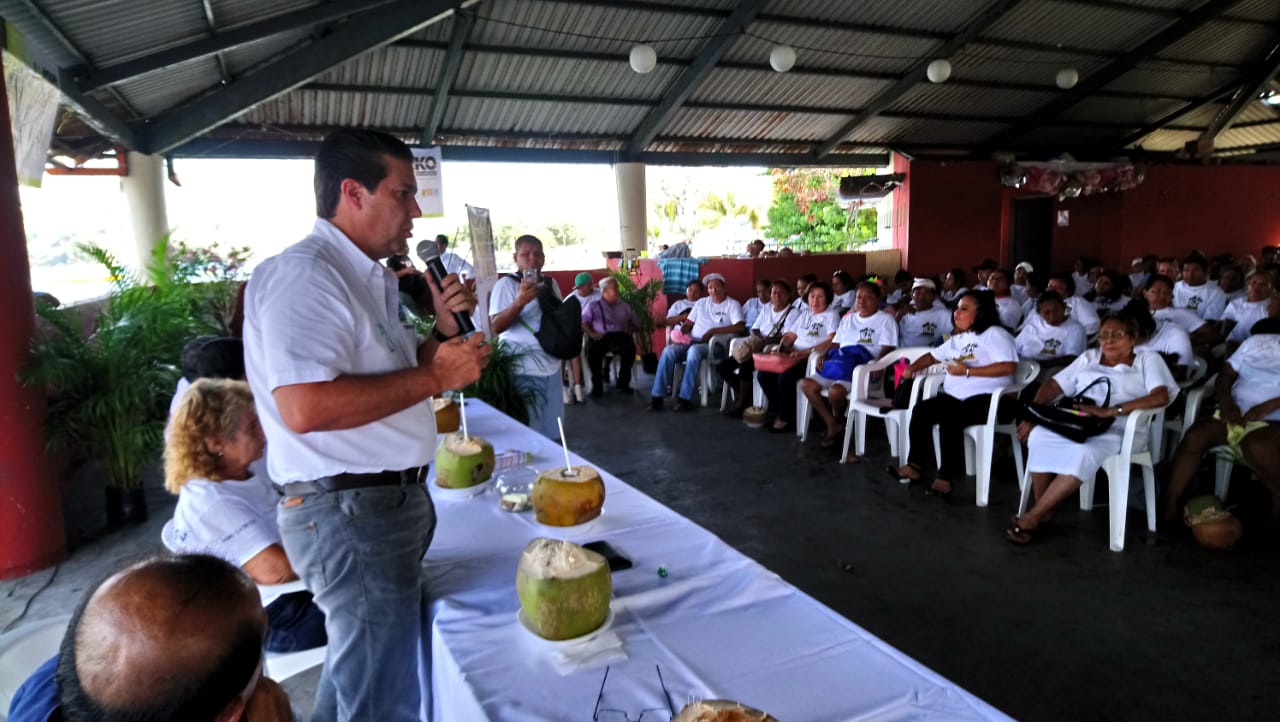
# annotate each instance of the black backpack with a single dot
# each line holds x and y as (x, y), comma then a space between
(561, 331)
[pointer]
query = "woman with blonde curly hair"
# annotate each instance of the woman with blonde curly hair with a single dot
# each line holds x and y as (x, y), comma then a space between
(224, 509)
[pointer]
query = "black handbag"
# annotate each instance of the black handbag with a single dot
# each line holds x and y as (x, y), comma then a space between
(1064, 418)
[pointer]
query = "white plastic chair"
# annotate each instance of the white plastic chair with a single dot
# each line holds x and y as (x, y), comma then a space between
(864, 402)
(804, 414)
(1118, 468)
(23, 650)
(979, 440)
(757, 393)
(1173, 428)
(717, 350)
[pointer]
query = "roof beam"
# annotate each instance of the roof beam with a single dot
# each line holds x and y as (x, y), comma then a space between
(463, 23)
(357, 35)
(1165, 11)
(888, 97)
(1171, 34)
(725, 34)
(90, 78)
(98, 116)
(1164, 121)
(212, 21)
(1248, 93)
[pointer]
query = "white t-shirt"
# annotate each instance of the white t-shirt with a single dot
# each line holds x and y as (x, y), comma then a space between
(707, 314)
(801, 303)
(812, 328)
(318, 310)
(1186, 320)
(584, 301)
(232, 520)
(949, 297)
(1258, 363)
(1245, 314)
(679, 307)
(1238, 293)
(1083, 284)
(844, 301)
(894, 298)
(924, 328)
(878, 330)
(1148, 372)
(1010, 311)
(1041, 341)
(1207, 300)
(1102, 304)
(520, 335)
(769, 317)
(1170, 339)
(751, 310)
(995, 345)
(453, 263)
(1083, 313)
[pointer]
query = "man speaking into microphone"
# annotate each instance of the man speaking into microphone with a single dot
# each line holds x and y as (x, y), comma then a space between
(343, 392)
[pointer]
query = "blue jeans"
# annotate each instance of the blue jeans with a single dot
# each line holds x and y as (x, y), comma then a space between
(692, 356)
(360, 553)
(549, 405)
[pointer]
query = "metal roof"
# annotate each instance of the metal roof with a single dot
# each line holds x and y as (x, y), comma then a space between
(550, 79)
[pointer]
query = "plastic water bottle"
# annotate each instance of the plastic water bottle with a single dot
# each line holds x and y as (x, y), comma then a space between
(510, 459)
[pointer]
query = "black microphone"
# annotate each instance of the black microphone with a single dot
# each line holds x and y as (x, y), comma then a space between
(430, 255)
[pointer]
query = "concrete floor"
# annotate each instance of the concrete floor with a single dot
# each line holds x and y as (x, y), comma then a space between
(1061, 630)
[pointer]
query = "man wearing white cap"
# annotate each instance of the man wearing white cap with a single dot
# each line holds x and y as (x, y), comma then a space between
(923, 321)
(1018, 289)
(713, 315)
(1138, 273)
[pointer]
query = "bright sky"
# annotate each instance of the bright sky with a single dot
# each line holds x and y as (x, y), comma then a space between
(268, 204)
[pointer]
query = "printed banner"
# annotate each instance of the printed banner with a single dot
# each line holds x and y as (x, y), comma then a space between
(426, 170)
(482, 251)
(33, 110)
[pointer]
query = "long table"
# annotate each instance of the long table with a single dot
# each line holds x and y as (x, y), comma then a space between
(718, 625)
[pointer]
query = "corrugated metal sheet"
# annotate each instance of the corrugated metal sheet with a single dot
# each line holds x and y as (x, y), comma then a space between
(245, 57)
(838, 49)
(392, 65)
(1255, 9)
(113, 31)
(1221, 41)
(489, 71)
(598, 29)
(1250, 135)
(1081, 25)
(1168, 140)
(233, 13)
(917, 131)
(766, 87)
(1179, 80)
(157, 92)
(965, 100)
(1068, 137)
(541, 117)
(309, 107)
(929, 15)
(978, 61)
(752, 125)
(1134, 111)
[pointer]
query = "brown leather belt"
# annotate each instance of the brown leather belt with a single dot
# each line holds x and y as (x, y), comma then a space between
(346, 481)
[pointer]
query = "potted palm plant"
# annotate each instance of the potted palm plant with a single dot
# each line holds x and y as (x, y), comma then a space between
(640, 298)
(109, 389)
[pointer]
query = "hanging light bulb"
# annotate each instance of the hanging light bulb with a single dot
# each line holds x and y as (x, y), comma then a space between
(938, 71)
(782, 58)
(1067, 78)
(643, 59)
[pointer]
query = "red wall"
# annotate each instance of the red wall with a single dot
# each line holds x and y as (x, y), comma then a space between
(958, 215)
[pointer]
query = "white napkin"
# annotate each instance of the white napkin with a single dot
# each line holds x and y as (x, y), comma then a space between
(599, 650)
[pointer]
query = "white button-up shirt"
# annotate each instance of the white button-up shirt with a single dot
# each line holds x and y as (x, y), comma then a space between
(318, 310)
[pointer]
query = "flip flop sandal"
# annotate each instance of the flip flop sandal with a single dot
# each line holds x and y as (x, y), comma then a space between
(1017, 535)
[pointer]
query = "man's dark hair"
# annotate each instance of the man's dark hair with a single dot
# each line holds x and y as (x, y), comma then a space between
(1067, 280)
(197, 578)
(1137, 320)
(526, 238)
(988, 314)
(1198, 260)
(399, 263)
(1049, 297)
(808, 278)
(213, 357)
(356, 154)
(958, 274)
(871, 286)
(442, 238)
(902, 276)
(1159, 278)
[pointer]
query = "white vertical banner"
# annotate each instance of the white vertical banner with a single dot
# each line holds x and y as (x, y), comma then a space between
(33, 110)
(426, 170)
(482, 251)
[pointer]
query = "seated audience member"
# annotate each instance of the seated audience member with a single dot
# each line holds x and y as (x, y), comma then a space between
(1169, 268)
(769, 328)
(811, 330)
(757, 303)
(226, 510)
(901, 292)
(610, 327)
(208, 357)
(174, 637)
(802, 291)
(713, 315)
(1138, 274)
(1231, 281)
(1159, 297)
(1169, 340)
(453, 263)
(1247, 310)
(680, 310)
(1247, 419)
(1138, 380)
(1110, 292)
(1079, 309)
(400, 265)
(980, 359)
(1080, 275)
(1009, 307)
(585, 291)
(1054, 340)
(923, 321)
(1018, 288)
(866, 325)
(952, 287)
(981, 272)
(1034, 287)
(843, 292)
(753, 250)
(786, 251)
(1195, 293)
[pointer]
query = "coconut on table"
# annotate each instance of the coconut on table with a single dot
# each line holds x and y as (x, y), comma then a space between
(564, 589)
(568, 496)
(463, 461)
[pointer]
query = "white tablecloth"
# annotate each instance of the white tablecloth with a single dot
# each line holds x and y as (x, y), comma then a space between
(718, 626)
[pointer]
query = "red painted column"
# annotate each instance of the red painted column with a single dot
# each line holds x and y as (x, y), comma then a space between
(31, 530)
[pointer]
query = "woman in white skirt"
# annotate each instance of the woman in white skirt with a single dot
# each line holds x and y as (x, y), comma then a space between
(1138, 380)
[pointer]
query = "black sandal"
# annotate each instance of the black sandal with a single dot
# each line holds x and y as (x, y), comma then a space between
(944, 495)
(1018, 535)
(892, 471)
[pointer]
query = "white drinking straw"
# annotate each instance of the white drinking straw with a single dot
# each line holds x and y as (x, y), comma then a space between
(462, 404)
(568, 467)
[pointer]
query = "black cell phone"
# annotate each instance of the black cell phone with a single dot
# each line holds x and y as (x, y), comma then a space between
(617, 562)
